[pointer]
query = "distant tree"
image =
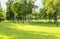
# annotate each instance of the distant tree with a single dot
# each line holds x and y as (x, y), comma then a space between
(22, 9)
(42, 13)
(35, 15)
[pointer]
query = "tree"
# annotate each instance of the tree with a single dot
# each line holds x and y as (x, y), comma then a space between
(52, 7)
(22, 8)
(42, 13)
(1, 14)
(35, 15)
(10, 14)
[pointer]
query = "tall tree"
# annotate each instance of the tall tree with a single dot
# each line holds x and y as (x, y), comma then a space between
(52, 7)
(1, 13)
(9, 13)
(22, 8)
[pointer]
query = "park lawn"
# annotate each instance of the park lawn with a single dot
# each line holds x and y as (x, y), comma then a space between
(29, 31)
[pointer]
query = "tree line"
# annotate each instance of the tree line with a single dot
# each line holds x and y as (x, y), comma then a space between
(22, 10)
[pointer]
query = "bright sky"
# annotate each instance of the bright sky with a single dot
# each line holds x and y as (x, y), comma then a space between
(3, 4)
(38, 3)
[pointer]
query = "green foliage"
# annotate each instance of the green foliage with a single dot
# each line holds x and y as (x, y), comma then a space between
(22, 8)
(48, 6)
(1, 14)
(9, 14)
(42, 13)
(51, 5)
(35, 15)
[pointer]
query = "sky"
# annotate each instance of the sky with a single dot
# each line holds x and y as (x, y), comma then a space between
(38, 3)
(3, 4)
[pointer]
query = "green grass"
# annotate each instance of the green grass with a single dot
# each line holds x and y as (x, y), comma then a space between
(34, 30)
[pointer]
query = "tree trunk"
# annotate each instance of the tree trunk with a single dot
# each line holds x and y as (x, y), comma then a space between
(50, 18)
(55, 17)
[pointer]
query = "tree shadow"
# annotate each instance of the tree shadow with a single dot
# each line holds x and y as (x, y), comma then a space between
(6, 24)
(45, 24)
(21, 34)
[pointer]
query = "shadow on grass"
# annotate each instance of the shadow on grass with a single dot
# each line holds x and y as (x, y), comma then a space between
(6, 24)
(45, 24)
(21, 34)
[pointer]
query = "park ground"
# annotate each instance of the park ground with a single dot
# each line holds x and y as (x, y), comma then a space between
(33, 30)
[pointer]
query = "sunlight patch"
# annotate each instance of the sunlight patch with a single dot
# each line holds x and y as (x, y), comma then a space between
(4, 37)
(36, 28)
(48, 30)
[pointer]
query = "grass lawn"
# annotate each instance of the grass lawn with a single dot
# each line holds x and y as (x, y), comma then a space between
(29, 31)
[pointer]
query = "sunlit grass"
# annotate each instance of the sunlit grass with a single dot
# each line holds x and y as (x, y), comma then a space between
(51, 30)
(28, 31)
(4, 37)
